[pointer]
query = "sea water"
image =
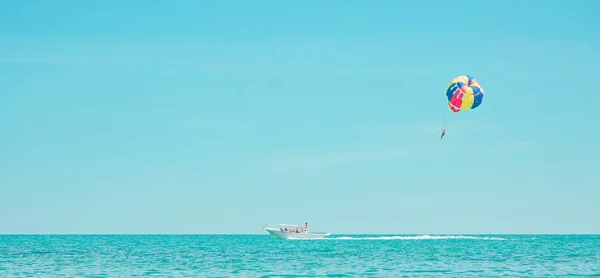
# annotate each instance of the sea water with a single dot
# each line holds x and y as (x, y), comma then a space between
(264, 256)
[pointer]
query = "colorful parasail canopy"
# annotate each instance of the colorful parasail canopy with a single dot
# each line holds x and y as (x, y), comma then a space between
(464, 93)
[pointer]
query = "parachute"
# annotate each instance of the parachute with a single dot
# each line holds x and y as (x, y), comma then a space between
(464, 93)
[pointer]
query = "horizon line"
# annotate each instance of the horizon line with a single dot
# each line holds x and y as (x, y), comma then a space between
(266, 234)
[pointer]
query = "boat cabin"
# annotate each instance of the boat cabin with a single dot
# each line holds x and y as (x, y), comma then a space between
(292, 228)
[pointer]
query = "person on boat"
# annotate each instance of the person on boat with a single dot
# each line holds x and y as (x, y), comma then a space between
(443, 133)
(306, 226)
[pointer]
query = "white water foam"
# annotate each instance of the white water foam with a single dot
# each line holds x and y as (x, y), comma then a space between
(421, 237)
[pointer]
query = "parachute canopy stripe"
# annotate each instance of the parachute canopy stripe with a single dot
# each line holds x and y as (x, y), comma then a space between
(464, 93)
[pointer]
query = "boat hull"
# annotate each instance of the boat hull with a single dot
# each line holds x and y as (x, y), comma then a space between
(276, 233)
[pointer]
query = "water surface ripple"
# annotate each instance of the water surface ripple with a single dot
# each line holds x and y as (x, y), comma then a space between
(263, 256)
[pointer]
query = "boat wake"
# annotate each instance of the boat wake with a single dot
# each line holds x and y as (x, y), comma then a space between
(420, 237)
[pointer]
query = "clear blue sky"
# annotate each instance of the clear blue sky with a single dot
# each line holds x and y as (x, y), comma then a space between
(222, 116)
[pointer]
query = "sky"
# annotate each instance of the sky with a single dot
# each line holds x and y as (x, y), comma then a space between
(204, 117)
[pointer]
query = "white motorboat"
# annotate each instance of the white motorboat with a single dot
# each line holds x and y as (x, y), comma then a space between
(289, 231)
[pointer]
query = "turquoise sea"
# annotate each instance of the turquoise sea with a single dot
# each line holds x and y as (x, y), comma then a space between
(263, 256)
